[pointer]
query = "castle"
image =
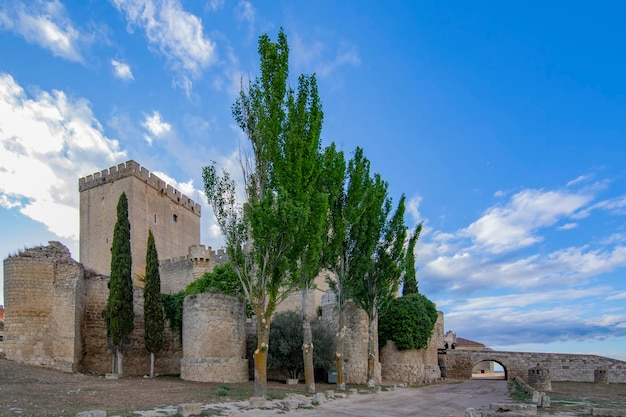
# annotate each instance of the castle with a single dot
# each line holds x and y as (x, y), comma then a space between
(54, 303)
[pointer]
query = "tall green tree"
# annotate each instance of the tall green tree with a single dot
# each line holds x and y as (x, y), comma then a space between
(409, 281)
(298, 170)
(380, 284)
(263, 235)
(356, 217)
(154, 321)
(118, 314)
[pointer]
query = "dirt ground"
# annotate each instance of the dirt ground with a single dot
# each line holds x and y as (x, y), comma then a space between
(34, 391)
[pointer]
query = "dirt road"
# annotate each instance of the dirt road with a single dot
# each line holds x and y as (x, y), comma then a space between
(445, 399)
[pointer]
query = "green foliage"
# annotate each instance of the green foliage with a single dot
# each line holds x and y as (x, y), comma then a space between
(153, 304)
(410, 274)
(173, 309)
(222, 390)
(118, 313)
(222, 279)
(408, 321)
(285, 348)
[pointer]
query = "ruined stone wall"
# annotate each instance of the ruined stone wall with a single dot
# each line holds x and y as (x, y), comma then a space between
(152, 205)
(97, 356)
(214, 339)
(356, 347)
(413, 365)
(44, 295)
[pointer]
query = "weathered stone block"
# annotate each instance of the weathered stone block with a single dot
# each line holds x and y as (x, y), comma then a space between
(189, 409)
(319, 398)
(257, 402)
(528, 409)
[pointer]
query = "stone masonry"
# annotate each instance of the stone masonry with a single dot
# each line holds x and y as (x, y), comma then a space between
(214, 339)
(413, 366)
(152, 205)
(44, 295)
(562, 367)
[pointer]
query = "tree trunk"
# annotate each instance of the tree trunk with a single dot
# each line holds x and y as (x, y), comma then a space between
(339, 355)
(307, 346)
(260, 357)
(120, 359)
(151, 364)
(113, 358)
(372, 344)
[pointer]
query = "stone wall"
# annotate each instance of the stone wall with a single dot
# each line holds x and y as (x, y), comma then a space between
(152, 205)
(562, 367)
(178, 273)
(98, 357)
(44, 296)
(293, 302)
(214, 339)
(413, 365)
(355, 342)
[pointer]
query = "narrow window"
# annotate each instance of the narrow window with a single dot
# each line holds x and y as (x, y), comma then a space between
(174, 218)
(155, 219)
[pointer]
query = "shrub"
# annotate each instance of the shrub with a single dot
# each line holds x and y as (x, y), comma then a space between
(285, 349)
(408, 321)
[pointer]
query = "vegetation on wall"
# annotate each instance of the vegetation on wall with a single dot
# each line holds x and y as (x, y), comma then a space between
(408, 321)
(222, 279)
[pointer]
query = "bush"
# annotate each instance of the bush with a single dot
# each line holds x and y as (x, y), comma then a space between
(285, 350)
(408, 321)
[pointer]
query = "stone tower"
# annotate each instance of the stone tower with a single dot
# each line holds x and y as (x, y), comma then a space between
(152, 204)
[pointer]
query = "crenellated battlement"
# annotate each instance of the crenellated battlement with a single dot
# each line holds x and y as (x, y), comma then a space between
(132, 168)
(199, 253)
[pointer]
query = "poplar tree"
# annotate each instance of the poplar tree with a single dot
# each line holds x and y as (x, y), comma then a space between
(355, 219)
(380, 284)
(154, 321)
(298, 171)
(118, 314)
(263, 235)
(409, 284)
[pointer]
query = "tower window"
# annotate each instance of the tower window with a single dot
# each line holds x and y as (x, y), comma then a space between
(174, 218)
(155, 219)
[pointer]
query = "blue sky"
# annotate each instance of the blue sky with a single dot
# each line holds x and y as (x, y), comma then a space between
(503, 124)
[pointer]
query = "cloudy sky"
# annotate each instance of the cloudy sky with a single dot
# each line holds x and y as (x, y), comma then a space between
(503, 124)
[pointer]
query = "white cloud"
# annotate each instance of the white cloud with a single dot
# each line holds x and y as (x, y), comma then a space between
(176, 34)
(156, 126)
(47, 142)
(568, 226)
(514, 225)
(45, 23)
(216, 4)
(122, 70)
(412, 208)
(618, 296)
(245, 11)
(578, 180)
(323, 57)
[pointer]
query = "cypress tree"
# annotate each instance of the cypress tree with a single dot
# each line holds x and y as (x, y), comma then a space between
(153, 305)
(119, 314)
(410, 276)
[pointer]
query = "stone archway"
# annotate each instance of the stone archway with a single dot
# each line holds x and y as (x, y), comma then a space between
(489, 369)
